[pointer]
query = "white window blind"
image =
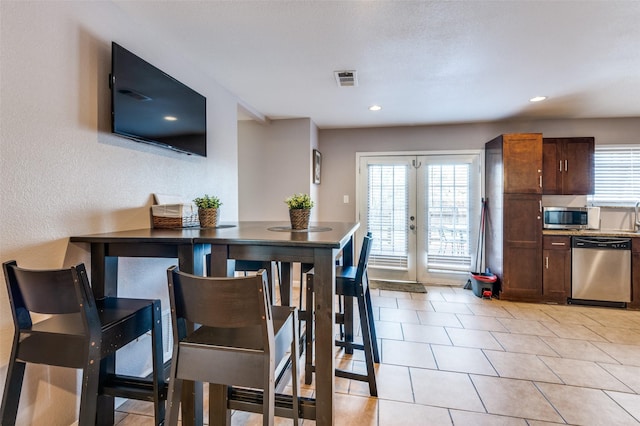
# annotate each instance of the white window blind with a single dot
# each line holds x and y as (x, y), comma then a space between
(448, 216)
(617, 175)
(388, 204)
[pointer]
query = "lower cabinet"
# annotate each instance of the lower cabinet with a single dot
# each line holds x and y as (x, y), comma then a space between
(556, 268)
(521, 278)
(635, 274)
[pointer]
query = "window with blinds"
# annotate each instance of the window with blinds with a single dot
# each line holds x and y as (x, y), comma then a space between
(388, 203)
(617, 175)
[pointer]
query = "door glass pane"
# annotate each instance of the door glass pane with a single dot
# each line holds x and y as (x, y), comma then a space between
(447, 210)
(387, 212)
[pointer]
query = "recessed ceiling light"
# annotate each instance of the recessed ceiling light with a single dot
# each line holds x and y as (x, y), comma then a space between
(170, 118)
(537, 98)
(375, 108)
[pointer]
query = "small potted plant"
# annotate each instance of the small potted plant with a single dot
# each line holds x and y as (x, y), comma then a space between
(300, 206)
(208, 210)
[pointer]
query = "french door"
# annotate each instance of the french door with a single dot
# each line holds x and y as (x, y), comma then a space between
(424, 213)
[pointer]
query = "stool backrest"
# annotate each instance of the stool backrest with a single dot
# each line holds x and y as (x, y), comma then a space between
(219, 302)
(363, 261)
(52, 291)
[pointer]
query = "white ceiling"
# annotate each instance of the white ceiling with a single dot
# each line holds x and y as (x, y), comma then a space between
(425, 62)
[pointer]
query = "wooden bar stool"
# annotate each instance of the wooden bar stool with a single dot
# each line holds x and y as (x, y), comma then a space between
(241, 340)
(81, 333)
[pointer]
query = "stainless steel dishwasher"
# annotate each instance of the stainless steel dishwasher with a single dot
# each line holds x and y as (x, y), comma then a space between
(601, 271)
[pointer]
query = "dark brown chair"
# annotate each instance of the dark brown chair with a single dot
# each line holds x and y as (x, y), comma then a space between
(351, 282)
(81, 333)
(240, 341)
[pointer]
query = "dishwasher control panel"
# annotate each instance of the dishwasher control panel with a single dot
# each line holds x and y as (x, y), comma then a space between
(607, 243)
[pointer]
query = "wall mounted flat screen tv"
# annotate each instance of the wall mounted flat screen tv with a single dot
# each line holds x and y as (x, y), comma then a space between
(147, 105)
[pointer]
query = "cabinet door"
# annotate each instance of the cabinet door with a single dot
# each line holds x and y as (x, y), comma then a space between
(635, 274)
(522, 162)
(556, 268)
(552, 165)
(577, 177)
(568, 166)
(522, 276)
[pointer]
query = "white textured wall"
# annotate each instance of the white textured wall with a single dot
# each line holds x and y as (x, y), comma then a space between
(63, 173)
(274, 163)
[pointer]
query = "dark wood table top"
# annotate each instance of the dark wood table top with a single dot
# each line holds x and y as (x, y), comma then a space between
(319, 234)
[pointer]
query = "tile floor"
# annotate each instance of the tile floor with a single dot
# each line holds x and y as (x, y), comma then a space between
(449, 357)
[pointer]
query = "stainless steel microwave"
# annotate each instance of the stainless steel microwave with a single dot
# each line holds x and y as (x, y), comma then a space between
(566, 218)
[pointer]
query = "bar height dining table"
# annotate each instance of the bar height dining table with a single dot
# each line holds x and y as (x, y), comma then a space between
(319, 245)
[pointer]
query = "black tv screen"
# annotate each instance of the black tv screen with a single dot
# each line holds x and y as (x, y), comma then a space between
(150, 106)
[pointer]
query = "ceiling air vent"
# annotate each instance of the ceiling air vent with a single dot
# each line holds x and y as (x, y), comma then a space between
(346, 78)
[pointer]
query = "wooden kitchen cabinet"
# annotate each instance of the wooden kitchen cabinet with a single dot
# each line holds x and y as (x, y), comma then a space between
(556, 268)
(514, 214)
(567, 167)
(522, 278)
(522, 163)
(635, 274)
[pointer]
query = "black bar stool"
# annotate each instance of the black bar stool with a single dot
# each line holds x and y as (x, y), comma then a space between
(351, 282)
(81, 333)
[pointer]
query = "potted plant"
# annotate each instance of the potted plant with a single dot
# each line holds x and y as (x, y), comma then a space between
(300, 206)
(208, 210)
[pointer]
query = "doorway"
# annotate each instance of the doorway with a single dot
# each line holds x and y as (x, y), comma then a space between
(424, 213)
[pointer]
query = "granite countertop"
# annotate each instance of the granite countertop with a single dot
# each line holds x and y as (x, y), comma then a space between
(592, 232)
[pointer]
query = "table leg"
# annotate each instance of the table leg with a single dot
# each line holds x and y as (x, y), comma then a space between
(324, 287)
(104, 283)
(286, 284)
(219, 415)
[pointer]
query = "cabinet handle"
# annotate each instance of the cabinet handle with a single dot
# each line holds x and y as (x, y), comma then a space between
(540, 181)
(557, 244)
(566, 165)
(560, 166)
(540, 205)
(546, 262)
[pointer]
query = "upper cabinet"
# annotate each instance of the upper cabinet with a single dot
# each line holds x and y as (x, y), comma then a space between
(522, 157)
(568, 166)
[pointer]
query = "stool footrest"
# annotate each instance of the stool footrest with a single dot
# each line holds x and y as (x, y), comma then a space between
(351, 375)
(349, 345)
(251, 400)
(132, 388)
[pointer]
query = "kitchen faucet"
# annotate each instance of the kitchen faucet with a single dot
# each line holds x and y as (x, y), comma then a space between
(637, 218)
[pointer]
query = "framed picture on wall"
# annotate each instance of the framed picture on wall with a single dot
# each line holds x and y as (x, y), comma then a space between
(317, 166)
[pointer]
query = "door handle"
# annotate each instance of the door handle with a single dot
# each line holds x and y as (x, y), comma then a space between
(566, 165)
(412, 227)
(546, 262)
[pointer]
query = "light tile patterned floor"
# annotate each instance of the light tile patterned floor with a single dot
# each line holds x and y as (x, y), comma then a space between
(449, 357)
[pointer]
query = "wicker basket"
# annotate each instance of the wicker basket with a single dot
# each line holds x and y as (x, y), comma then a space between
(208, 217)
(299, 218)
(174, 216)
